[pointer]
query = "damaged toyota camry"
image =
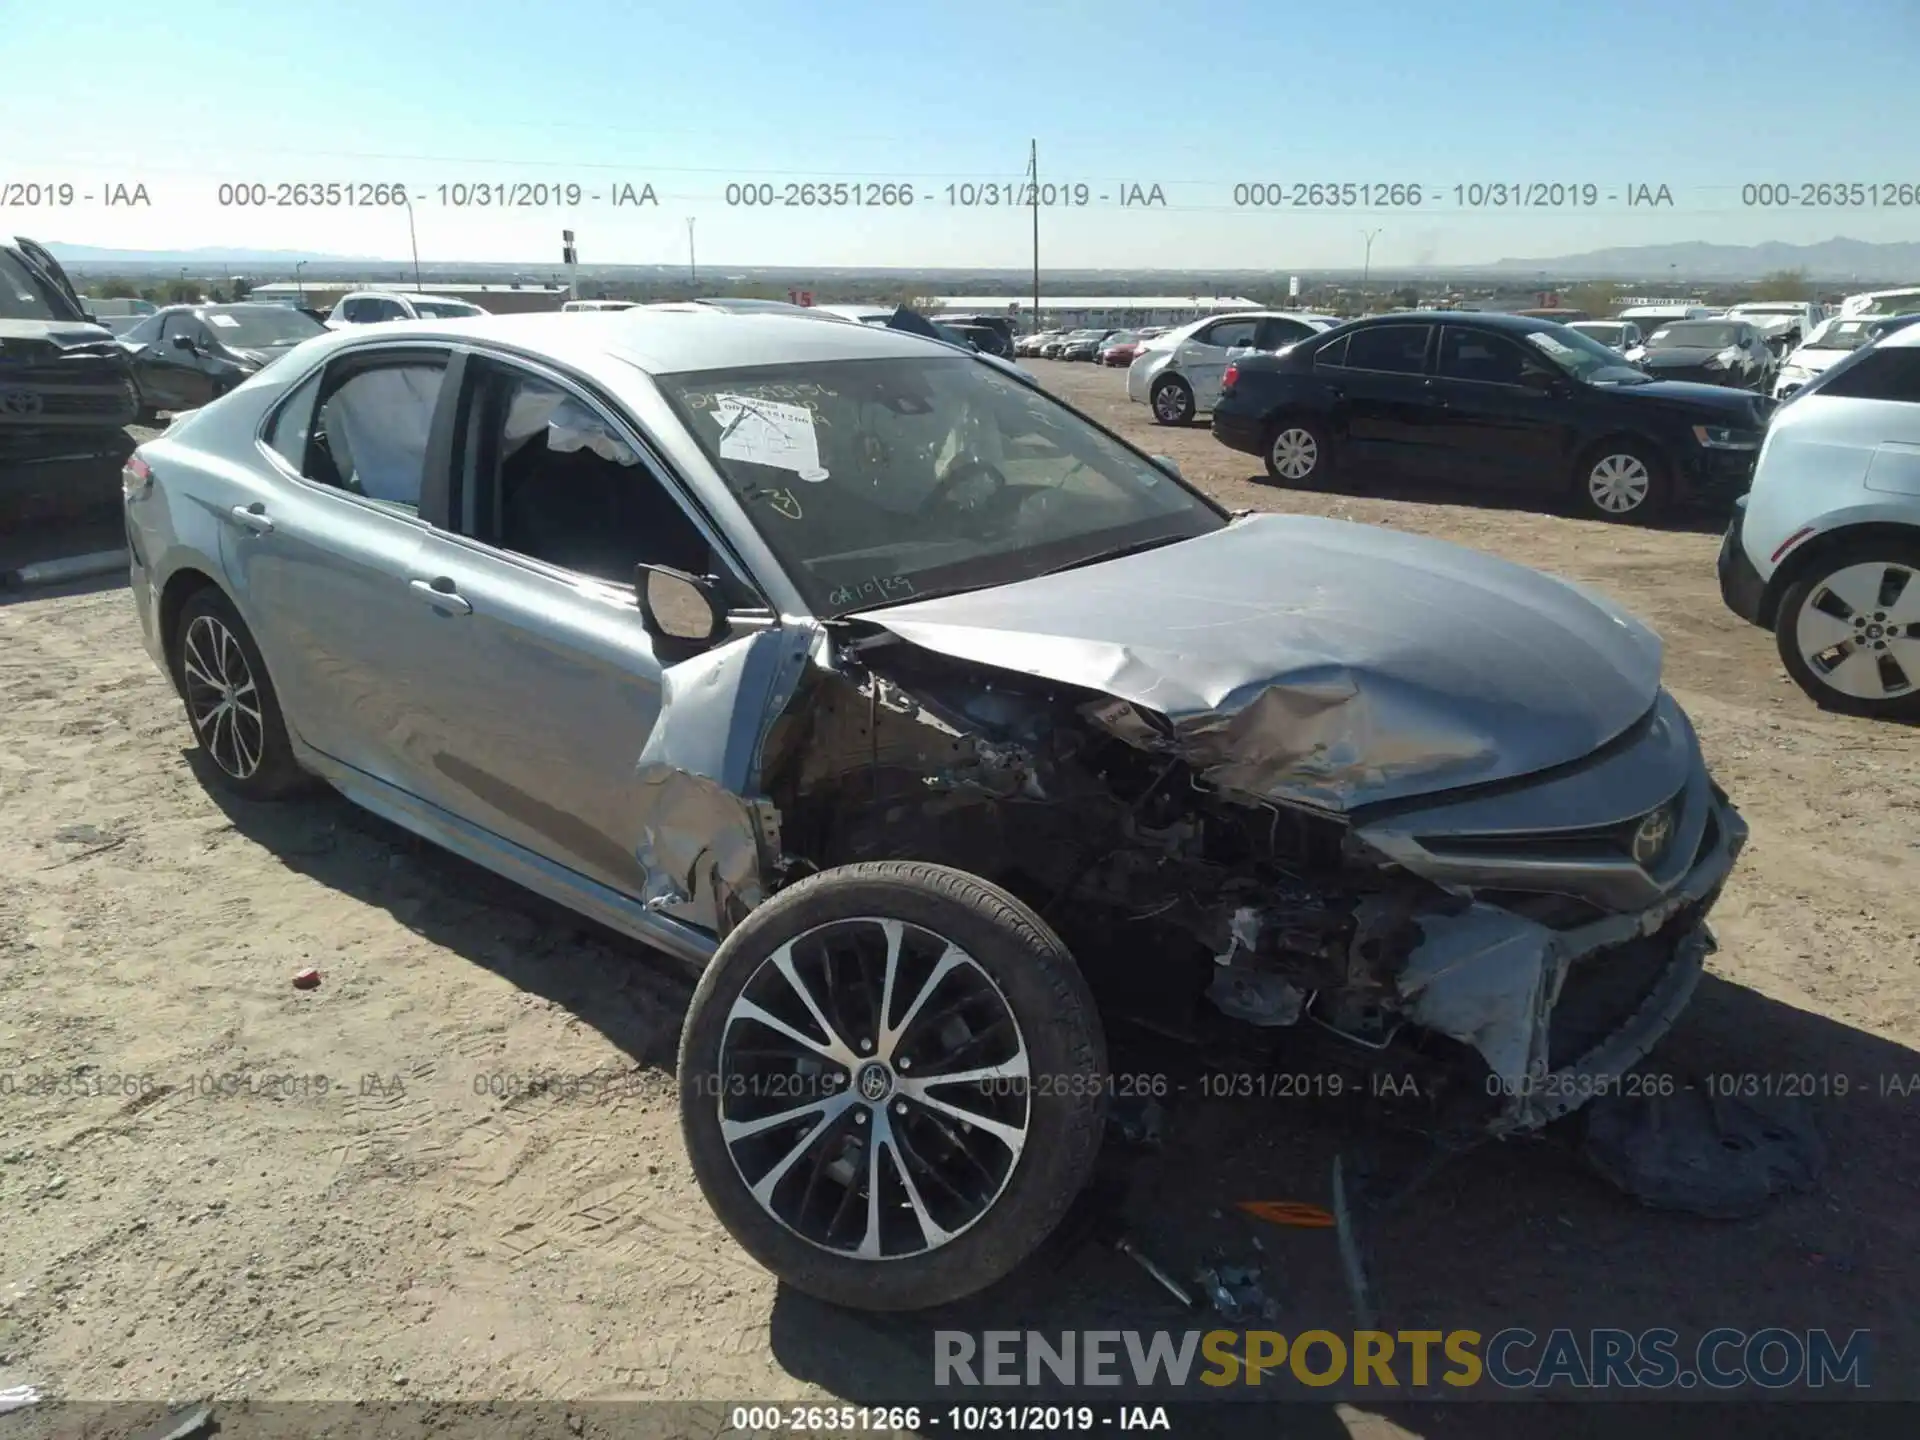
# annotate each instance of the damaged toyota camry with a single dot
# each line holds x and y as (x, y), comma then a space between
(937, 729)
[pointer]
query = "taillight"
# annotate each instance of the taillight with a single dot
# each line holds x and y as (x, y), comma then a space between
(135, 476)
(1232, 374)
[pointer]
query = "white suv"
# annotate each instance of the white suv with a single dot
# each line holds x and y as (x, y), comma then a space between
(369, 307)
(1178, 373)
(1824, 549)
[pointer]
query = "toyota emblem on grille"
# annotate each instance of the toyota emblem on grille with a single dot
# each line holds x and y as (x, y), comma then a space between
(1650, 839)
(19, 404)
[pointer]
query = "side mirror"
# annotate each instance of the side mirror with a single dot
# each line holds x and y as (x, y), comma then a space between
(1168, 464)
(677, 606)
(184, 342)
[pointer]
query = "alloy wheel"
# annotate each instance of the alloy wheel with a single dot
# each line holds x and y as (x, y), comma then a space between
(1859, 630)
(1295, 453)
(1170, 404)
(223, 700)
(873, 1088)
(1618, 484)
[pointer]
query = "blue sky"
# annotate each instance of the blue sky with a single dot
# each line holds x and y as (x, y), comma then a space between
(1703, 96)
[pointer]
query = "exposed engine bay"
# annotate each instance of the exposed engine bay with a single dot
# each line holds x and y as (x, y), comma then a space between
(1192, 907)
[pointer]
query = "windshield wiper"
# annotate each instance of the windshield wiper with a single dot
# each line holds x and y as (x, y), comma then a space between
(1116, 552)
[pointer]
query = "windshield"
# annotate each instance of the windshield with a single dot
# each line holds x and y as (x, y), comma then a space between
(1694, 335)
(1122, 337)
(877, 481)
(444, 309)
(1585, 358)
(21, 296)
(1844, 335)
(257, 327)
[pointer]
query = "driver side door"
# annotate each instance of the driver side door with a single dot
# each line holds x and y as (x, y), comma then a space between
(173, 377)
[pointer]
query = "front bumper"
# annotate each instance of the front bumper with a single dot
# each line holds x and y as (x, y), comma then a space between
(1740, 584)
(1716, 477)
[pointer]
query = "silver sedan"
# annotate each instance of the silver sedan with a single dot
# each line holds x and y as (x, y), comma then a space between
(877, 685)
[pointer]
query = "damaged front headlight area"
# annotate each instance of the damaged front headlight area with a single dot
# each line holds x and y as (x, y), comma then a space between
(1531, 937)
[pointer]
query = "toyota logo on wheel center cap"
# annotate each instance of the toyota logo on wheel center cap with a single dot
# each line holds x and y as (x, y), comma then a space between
(875, 1082)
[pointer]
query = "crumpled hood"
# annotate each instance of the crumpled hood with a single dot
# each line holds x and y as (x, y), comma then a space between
(1319, 661)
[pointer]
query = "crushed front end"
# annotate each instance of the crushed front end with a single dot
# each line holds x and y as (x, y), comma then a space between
(1533, 937)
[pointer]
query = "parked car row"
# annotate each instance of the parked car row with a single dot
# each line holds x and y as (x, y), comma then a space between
(828, 658)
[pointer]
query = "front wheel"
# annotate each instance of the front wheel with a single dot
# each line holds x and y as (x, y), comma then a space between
(892, 1084)
(1849, 631)
(1623, 481)
(1173, 401)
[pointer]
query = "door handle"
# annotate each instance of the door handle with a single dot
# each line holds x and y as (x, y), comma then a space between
(439, 592)
(254, 517)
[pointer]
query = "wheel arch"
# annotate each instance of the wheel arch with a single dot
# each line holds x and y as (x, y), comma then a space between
(1809, 555)
(181, 586)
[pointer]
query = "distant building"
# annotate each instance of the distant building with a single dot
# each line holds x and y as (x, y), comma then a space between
(1074, 312)
(499, 299)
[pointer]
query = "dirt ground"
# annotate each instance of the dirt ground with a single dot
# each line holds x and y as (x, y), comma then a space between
(213, 1183)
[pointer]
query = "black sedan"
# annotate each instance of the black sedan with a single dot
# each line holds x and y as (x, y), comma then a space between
(186, 355)
(1710, 352)
(1501, 401)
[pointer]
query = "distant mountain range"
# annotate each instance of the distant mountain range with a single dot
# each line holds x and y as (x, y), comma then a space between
(1838, 258)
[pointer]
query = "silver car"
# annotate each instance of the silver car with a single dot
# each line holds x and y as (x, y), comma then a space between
(915, 711)
(1179, 374)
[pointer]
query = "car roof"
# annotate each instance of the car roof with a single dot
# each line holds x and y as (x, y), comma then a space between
(405, 295)
(1904, 337)
(664, 341)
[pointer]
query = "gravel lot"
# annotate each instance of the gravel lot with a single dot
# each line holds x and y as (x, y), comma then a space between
(188, 1214)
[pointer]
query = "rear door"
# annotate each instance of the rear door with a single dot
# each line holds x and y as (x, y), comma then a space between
(322, 556)
(1382, 389)
(1202, 358)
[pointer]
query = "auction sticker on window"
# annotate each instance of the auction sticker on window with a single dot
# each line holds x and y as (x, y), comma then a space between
(769, 432)
(226, 322)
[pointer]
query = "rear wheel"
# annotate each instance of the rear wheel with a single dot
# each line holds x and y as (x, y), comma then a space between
(892, 1084)
(230, 700)
(1172, 401)
(1849, 631)
(1298, 453)
(1622, 481)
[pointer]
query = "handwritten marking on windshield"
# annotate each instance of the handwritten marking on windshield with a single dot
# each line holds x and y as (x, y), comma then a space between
(891, 587)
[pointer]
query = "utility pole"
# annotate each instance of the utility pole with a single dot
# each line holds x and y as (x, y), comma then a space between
(1033, 174)
(693, 270)
(1366, 268)
(407, 200)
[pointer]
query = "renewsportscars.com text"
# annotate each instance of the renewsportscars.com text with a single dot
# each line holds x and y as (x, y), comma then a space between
(1511, 1359)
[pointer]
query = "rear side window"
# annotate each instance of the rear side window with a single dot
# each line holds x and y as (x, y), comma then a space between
(1229, 334)
(1398, 349)
(1333, 354)
(287, 437)
(1877, 374)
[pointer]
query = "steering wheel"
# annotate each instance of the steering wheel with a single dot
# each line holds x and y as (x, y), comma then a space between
(965, 470)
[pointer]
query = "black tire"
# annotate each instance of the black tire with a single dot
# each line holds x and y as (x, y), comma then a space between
(1171, 401)
(1642, 495)
(1053, 1016)
(199, 653)
(1293, 442)
(1893, 554)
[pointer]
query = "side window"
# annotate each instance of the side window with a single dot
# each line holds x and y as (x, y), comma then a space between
(356, 311)
(558, 482)
(287, 436)
(1229, 334)
(145, 333)
(1277, 334)
(1878, 374)
(181, 322)
(390, 310)
(1397, 349)
(1332, 355)
(1477, 355)
(368, 434)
